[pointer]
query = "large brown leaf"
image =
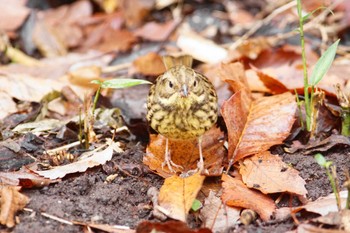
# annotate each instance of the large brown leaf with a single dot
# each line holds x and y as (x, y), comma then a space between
(269, 174)
(177, 194)
(268, 123)
(186, 154)
(236, 109)
(236, 194)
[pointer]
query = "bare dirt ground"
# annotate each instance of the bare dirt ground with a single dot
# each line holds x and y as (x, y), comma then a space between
(87, 197)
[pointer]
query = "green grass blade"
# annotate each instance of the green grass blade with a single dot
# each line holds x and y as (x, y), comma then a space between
(121, 83)
(323, 64)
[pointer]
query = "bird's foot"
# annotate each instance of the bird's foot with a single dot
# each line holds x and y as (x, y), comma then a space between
(170, 164)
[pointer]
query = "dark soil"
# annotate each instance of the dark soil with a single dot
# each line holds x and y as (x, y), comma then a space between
(87, 197)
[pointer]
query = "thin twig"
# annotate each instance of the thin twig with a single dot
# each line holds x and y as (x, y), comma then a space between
(262, 22)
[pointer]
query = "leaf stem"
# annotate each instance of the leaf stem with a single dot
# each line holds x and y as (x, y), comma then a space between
(303, 55)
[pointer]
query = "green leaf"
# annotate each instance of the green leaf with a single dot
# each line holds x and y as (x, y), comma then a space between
(196, 205)
(306, 17)
(120, 83)
(96, 82)
(320, 160)
(323, 64)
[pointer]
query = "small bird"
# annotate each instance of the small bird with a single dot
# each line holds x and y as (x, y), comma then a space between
(182, 104)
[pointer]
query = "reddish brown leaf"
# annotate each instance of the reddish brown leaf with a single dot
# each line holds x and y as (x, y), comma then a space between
(116, 40)
(186, 154)
(177, 194)
(284, 64)
(168, 227)
(235, 125)
(135, 11)
(25, 179)
(11, 201)
(269, 174)
(275, 86)
(156, 31)
(236, 194)
(269, 122)
(149, 64)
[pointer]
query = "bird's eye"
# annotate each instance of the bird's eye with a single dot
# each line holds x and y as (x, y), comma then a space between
(171, 84)
(195, 83)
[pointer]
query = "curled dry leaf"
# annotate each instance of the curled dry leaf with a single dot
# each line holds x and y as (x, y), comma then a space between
(25, 179)
(185, 153)
(275, 86)
(236, 194)
(177, 195)
(149, 64)
(11, 201)
(269, 174)
(216, 215)
(156, 31)
(269, 122)
(237, 105)
(81, 165)
(326, 205)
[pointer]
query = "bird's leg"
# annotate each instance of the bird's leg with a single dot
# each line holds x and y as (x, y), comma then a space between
(200, 164)
(167, 158)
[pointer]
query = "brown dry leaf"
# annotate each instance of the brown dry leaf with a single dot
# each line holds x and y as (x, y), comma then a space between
(25, 87)
(269, 174)
(237, 105)
(251, 48)
(55, 68)
(186, 154)
(156, 31)
(339, 218)
(308, 228)
(269, 122)
(216, 215)
(200, 48)
(168, 227)
(11, 201)
(95, 27)
(82, 76)
(13, 14)
(149, 64)
(24, 178)
(284, 64)
(177, 194)
(58, 29)
(96, 159)
(237, 194)
(319, 146)
(326, 205)
(116, 40)
(275, 86)
(135, 11)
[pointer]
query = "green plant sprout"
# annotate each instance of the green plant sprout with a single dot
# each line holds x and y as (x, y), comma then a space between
(320, 69)
(116, 84)
(331, 173)
(196, 205)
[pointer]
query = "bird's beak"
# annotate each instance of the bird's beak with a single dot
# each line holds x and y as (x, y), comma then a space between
(184, 91)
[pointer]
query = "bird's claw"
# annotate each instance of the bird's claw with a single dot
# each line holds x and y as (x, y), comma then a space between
(170, 164)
